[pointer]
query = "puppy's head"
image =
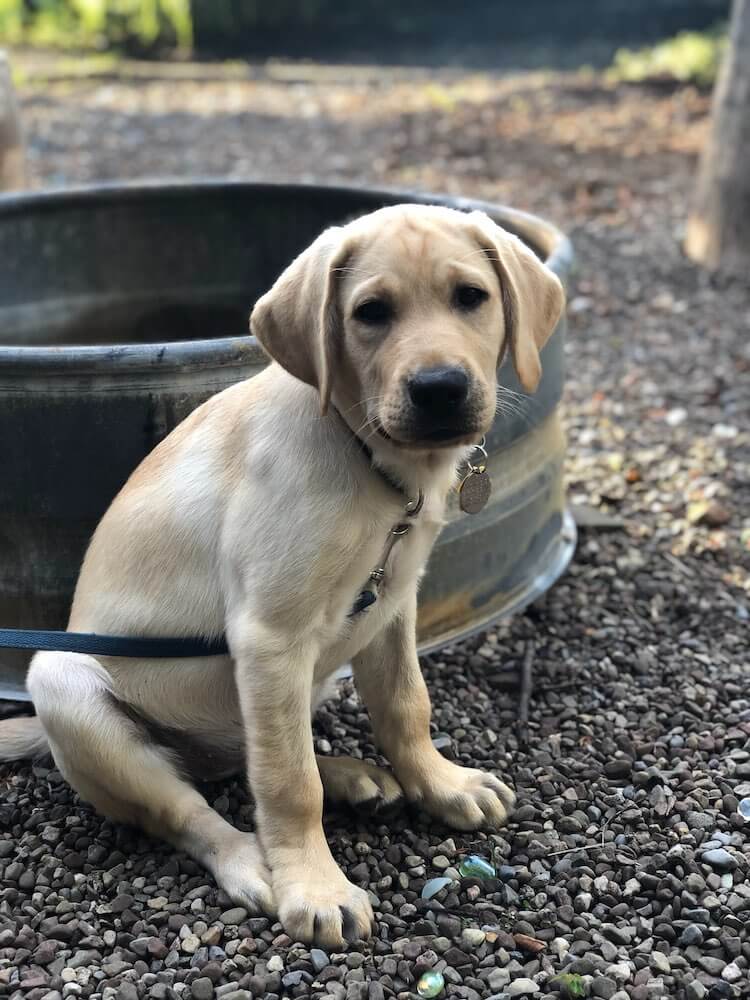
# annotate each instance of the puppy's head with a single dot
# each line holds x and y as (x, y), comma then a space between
(406, 314)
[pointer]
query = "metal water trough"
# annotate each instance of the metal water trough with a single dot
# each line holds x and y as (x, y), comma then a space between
(123, 308)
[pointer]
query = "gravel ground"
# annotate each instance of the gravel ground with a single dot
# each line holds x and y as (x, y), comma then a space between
(625, 871)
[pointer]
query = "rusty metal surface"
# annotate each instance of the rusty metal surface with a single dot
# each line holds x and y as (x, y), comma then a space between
(124, 307)
(492, 564)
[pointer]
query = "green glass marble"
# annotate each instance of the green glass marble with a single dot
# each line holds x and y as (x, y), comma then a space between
(430, 984)
(473, 866)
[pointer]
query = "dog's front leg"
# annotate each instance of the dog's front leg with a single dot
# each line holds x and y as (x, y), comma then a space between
(315, 901)
(390, 681)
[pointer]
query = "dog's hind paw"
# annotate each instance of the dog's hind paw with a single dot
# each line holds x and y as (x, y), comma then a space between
(363, 786)
(461, 797)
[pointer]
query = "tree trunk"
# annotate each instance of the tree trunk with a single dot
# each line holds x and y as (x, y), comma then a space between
(718, 231)
(12, 172)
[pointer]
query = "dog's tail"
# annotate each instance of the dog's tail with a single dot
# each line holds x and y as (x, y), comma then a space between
(22, 738)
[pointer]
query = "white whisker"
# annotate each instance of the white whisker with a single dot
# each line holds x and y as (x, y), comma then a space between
(510, 403)
(362, 402)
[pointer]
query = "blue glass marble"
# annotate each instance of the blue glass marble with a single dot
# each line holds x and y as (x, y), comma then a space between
(473, 866)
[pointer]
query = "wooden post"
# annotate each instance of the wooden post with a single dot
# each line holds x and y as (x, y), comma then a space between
(718, 231)
(12, 161)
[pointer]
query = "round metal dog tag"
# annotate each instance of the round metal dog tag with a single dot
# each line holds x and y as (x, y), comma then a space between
(474, 491)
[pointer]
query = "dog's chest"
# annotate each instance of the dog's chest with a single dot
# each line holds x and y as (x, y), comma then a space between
(346, 632)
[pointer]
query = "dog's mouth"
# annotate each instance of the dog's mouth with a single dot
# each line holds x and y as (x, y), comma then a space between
(433, 437)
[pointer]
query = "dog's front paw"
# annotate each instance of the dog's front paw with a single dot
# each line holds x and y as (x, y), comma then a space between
(461, 797)
(321, 906)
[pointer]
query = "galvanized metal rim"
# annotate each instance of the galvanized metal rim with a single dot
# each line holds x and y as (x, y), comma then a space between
(221, 352)
(563, 549)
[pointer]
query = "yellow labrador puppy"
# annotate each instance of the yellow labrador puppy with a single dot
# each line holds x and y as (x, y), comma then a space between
(262, 517)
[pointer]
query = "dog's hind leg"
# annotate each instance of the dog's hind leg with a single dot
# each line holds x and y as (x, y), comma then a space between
(113, 764)
(346, 779)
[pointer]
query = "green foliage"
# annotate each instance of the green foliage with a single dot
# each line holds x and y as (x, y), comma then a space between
(11, 19)
(147, 23)
(690, 57)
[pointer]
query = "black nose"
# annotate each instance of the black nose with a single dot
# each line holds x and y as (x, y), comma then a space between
(438, 390)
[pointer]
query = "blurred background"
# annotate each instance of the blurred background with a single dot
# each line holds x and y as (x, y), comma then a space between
(498, 35)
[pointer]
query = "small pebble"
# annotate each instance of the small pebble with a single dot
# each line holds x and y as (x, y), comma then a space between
(202, 989)
(318, 958)
(190, 944)
(522, 988)
(472, 938)
(660, 963)
(691, 935)
(732, 973)
(602, 987)
(695, 990)
(720, 859)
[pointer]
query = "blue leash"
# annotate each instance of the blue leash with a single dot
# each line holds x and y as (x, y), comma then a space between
(110, 645)
(136, 646)
(124, 645)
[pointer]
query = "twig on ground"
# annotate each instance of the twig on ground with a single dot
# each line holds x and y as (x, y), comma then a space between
(595, 843)
(562, 686)
(527, 683)
(685, 570)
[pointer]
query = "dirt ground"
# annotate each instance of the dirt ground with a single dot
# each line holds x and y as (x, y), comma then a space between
(639, 737)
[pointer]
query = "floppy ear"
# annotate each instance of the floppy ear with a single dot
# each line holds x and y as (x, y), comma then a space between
(297, 322)
(533, 298)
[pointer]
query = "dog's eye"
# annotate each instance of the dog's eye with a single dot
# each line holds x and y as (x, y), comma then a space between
(469, 297)
(375, 312)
